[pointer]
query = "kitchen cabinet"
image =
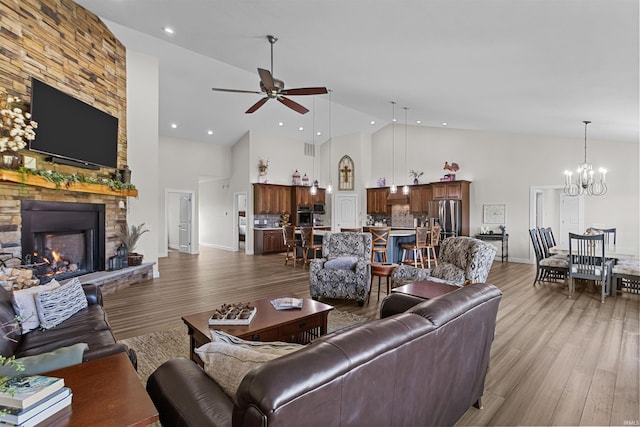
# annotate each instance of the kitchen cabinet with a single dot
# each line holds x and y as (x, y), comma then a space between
(268, 241)
(377, 201)
(303, 197)
(419, 198)
(271, 199)
(454, 190)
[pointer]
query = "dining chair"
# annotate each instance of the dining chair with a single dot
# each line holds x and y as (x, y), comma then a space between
(289, 234)
(544, 241)
(380, 237)
(308, 245)
(415, 250)
(587, 261)
(609, 234)
(550, 268)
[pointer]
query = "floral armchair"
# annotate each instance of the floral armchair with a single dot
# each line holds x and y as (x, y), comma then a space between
(344, 271)
(461, 261)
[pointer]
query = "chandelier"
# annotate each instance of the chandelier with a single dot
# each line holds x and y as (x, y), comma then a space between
(584, 182)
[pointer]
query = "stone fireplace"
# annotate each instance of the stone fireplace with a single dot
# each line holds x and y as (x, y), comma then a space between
(63, 239)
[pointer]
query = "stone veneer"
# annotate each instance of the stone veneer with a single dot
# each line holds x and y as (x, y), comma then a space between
(69, 48)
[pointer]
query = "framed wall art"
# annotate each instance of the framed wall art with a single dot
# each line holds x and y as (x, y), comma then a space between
(494, 214)
(345, 172)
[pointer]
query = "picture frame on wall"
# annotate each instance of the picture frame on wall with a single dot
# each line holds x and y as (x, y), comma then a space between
(494, 214)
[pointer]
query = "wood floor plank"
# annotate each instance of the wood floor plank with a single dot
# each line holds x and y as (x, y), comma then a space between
(533, 378)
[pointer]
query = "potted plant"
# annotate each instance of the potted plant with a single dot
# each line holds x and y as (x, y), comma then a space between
(130, 237)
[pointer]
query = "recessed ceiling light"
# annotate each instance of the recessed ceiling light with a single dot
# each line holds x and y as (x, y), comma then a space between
(173, 125)
(418, 121)
(318, 133)
(300, 128)
(168, 30)
(444, 123)
(280, 124)
(372, 122)
(210, 132)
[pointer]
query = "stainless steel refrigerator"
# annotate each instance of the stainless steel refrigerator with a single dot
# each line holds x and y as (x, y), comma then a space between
(448, 214)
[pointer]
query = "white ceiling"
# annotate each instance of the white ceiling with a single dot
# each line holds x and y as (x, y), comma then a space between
(529, 66)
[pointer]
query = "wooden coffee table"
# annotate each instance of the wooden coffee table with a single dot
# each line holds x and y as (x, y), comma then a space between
(296, 325)
(426, 289)
(106, 391)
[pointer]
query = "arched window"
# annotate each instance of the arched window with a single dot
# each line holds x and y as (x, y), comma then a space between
(345, 172)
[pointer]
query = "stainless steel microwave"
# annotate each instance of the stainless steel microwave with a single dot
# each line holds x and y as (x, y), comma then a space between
(318, 208)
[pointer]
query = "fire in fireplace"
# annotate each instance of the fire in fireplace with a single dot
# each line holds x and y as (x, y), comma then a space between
(63, 239)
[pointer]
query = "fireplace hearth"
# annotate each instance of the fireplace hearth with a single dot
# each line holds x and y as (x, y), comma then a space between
(63, 239)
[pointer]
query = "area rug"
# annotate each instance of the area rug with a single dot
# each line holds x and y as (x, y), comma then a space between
(155, 348)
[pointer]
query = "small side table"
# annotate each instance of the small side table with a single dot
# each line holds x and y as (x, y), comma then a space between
(504, 238)
(382, 269)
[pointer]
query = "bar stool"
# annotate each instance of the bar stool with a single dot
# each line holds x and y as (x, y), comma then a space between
(289, 234)
(415, 250)
(433, 243)
(306, 233)
(380, 237)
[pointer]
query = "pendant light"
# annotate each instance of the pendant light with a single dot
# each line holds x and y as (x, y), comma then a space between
(394, 188)
(329, 186)
(584, 182)
(405, 188)
(314, 186)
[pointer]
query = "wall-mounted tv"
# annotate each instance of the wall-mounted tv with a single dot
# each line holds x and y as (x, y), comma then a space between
(72, 131)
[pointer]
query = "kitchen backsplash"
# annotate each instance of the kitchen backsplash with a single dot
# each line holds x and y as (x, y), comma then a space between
(401, 216)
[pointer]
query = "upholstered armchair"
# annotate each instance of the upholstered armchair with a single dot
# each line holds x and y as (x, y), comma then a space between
(344, 271)
(461, 261)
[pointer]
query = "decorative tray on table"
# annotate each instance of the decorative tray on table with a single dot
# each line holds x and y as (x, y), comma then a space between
(233, 314)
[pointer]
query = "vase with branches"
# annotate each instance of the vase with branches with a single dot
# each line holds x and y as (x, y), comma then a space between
(129, 237)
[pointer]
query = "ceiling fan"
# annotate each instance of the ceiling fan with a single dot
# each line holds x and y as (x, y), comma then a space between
(274, 88)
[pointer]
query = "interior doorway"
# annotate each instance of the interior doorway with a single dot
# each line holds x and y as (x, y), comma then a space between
(345, 212)
(179, 220)
(549, 207)
(240, 222)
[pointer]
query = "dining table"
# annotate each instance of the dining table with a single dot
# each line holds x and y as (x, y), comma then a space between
(610, 251)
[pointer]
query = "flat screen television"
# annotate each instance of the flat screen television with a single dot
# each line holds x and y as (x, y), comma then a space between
(72, 131)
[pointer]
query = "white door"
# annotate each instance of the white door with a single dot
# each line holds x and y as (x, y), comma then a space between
(184, 225)
(570, 218)
(346, 211)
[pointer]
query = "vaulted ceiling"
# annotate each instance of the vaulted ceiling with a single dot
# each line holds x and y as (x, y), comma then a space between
(535, 66)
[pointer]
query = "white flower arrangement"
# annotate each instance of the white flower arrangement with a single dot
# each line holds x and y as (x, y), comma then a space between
(16, 126)
(263, 165)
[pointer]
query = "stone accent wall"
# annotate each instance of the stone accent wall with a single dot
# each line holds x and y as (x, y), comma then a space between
(69, 48)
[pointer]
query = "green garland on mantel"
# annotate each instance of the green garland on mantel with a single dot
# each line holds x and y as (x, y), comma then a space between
(67, 180)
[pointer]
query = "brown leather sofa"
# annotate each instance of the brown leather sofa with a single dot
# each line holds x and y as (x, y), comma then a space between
(425, 366)
(89, 325)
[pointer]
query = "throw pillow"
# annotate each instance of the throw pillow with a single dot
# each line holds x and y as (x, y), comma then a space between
(342, 263)
(24, 304)
(56, 306)
(227, 364)
(45, 362)
(273, 347)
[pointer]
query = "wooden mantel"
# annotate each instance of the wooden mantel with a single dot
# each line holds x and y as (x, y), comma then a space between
(38, 181)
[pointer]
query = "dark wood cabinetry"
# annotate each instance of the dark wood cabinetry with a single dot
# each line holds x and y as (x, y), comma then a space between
(419, 198)
(449, 190)
(303, 197)
(271, 199)
(268, 241)
(377, 201)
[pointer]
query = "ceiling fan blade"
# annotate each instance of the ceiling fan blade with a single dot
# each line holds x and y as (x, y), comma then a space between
(236, 90)
(257, 105)
(266, 78)
(305, 91)
(293, 105)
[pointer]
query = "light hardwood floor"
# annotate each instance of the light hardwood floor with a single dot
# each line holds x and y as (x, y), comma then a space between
(554, 360)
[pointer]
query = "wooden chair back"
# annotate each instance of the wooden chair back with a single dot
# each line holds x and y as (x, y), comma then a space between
(380, 237)
(436, 232)
(289, 235)
(306, 236)
(422, 237)
(609, 235)
(586, 256)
